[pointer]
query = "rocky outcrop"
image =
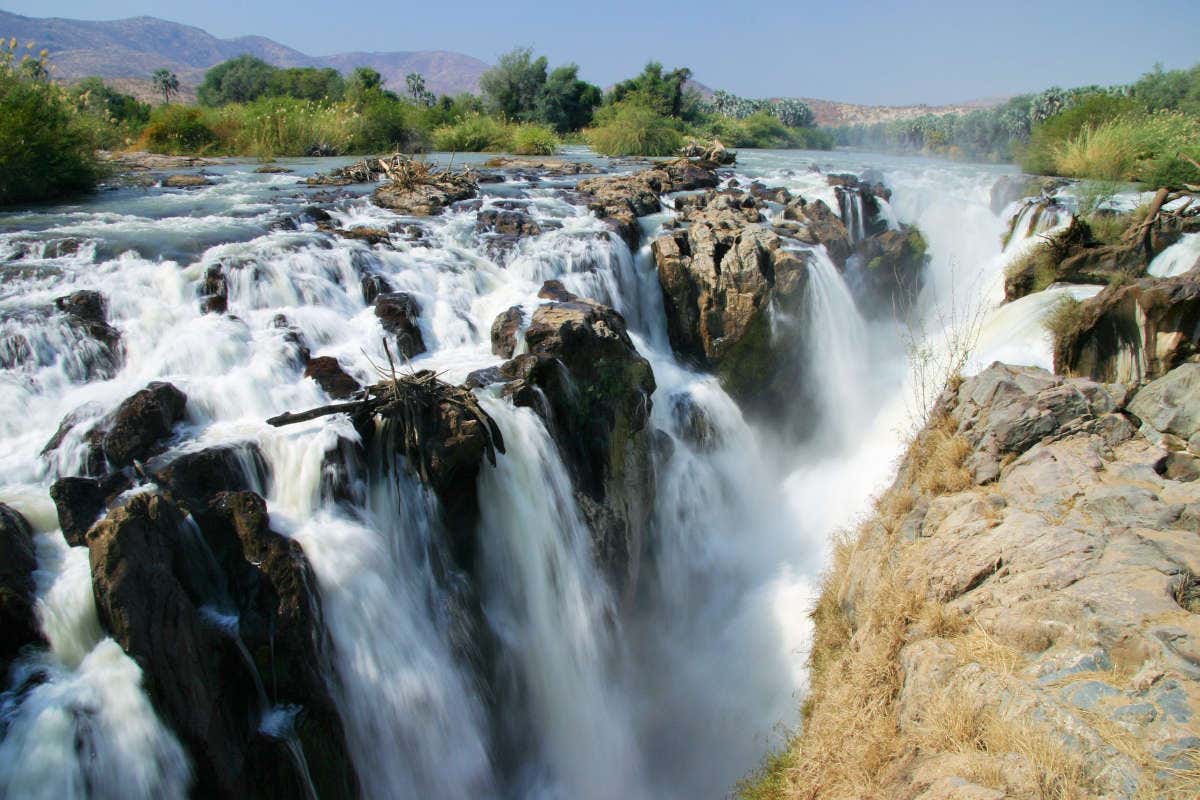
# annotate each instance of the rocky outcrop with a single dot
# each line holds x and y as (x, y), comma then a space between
(139, 425)
(621, 199)
(1132, 332)
(222, 619)
(19, 625)
(426, 198)
(80, 501)
(86, 313)
(819, 225)
(504, 331)
(720, 277)
(583, 375)
(330, 376)
(889, 269)
(398, 313)
(1021, 611)
(186, 181)
(1010, 188)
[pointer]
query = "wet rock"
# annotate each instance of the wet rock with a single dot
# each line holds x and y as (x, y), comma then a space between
(1009, 188)
(272, 169)
(720, 277)
(553, 167)
(584, 376)
(185, 181)
(822, 226)
(139, 425)
(19, 625)
(87, 313)
(374, 285)
(329, 375)
(81, 501)
(214, 291)
(506, 222)
(398, 313)
(372, 236)
(194, 478)
(425, 199)
(1132, 333)
(892, 269)
(621, 199)
(160, 591)
(504, 332)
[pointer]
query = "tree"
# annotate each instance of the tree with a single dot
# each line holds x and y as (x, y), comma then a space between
(416, 89)
(306, 83)
(665, 92)
(512, 87)
(166, 82)
(93, 96)
(238, 80)
(566, 102)
(366, 85)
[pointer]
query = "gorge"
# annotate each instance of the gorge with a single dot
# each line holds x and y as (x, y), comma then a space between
(598, 421)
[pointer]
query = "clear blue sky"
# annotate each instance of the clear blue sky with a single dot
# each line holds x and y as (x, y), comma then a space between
(892, 52)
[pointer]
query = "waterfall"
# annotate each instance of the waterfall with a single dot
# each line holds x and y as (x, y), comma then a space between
(556, 618)
(677, 694)
(1177, 259)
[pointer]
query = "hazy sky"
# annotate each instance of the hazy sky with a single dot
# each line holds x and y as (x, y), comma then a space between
(932, 51)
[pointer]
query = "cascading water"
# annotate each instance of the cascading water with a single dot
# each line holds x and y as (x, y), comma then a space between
(1177, 259)
(676, 695)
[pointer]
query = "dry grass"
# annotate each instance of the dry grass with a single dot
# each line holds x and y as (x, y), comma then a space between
(938, 459)
(1063, 318)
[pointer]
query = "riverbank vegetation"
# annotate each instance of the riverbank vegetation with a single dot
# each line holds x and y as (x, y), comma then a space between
(1147, 131)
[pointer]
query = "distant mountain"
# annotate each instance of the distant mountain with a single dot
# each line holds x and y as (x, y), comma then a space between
(833, 113)
(132, 49)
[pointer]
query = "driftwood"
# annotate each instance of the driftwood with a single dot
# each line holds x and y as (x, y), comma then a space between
(1157, 215)
(413, 402)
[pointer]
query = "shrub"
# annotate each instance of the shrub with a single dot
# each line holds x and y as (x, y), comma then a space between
(534, 140)
(1093, 109)
(382, 124)
(631, 129)
(45, 149)
(1063, 318)
(475, 133)
(1133, 148)
(177, 129)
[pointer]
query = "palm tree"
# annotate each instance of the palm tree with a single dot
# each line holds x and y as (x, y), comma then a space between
(166, 82)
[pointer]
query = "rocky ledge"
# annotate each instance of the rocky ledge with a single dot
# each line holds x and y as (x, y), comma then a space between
(1019, 618)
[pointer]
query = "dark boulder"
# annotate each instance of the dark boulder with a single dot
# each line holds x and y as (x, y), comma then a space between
(506, 222)
(137, 428)
(329, 375)
(86, 313)
(81, 501)
(374, 285)
(891, 268)
(398, 313)
(162, 591)
(193, 478)
(19, 626)
(214, 291)
(504, 331)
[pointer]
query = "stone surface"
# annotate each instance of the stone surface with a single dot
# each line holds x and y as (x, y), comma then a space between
(1134, 332)
(330, 376)
(19, 625)
(504, 331)
(398, 313)
(425, 199)
(137, 428)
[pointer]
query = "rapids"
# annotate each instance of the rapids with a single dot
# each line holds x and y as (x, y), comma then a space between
(676, 691)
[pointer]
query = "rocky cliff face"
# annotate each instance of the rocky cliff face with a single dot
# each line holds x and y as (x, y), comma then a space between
(1019, 617)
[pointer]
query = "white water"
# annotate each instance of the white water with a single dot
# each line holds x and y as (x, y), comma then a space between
(1177, 259)
(678, 694)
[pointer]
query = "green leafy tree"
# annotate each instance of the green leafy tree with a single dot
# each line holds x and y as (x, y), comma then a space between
(365, 85)
(93, 96)
(238, 80)
(565, 102)
(511, 88)
(306, 83)
(166, 82)
(667, 93)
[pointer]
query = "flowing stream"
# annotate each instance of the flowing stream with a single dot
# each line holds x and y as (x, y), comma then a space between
(675, 692)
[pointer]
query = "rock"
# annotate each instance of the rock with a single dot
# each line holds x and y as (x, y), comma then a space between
(329, 375)
(136, 429)
(422, 200)
(374, 285)
(214, 291)
(81, 501)
(372, 236)
(87, 314)
(193, 478)
(19, 624)
(1171, 405)
(272, 169)
(720, 277)
(823, 227)
(155, 582)
(891, 269)
(1133, 333)
(1009, 188)
(398, 313)
(603, 432)
(713, 154)
(504, 331)
(506, 223)
(185, 181)
(621, 199)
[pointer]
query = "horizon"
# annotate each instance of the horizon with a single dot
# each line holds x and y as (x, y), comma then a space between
(936, 67)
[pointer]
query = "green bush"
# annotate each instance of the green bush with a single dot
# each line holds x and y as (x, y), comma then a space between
(534, 140)
(629, 128)
(1039, 156)
(176, 129)
(474, 133)
(1141, 147)
(46, 151)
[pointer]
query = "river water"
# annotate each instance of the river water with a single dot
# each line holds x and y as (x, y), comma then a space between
(674, 693)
